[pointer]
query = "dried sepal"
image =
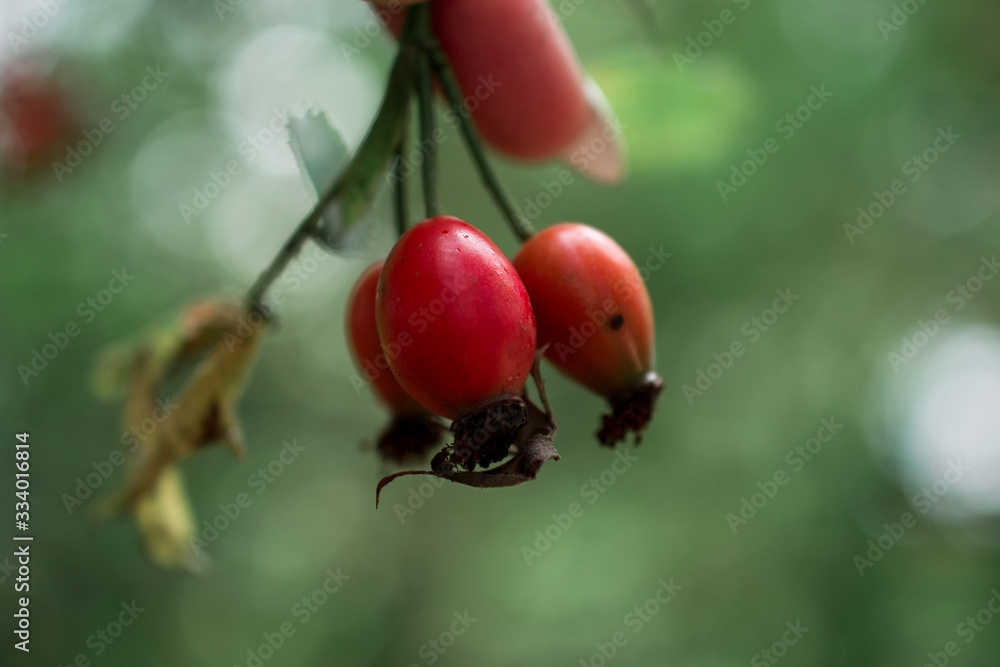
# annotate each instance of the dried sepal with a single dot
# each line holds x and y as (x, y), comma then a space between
(532, 447)
(631, 412)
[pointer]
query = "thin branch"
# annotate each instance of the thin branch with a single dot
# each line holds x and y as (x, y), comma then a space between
(425, 97)
(446, 77)
(357, 184)
(400, 208)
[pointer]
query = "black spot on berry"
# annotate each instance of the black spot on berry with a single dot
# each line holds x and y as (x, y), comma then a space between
(617, 322)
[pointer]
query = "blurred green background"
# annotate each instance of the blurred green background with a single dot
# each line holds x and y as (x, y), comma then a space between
(231, 67)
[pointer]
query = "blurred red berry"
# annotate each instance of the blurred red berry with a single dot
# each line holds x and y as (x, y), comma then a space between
(412, 431)
(362, 333)
(35, 118)
(523, 84)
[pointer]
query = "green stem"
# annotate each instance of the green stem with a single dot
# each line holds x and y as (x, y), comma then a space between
(522, 228)
(357, 185)
(425, 98)
(400, 208)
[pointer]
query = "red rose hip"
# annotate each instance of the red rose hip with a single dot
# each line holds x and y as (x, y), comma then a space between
(594, 313)
(413, 429)
(462, 321)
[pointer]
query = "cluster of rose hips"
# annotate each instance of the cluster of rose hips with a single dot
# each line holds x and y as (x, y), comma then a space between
(455, 326)
(447, 327)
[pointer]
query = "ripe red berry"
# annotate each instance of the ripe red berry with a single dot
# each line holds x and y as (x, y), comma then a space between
(594, 313)
(412, 431)
(455, 310)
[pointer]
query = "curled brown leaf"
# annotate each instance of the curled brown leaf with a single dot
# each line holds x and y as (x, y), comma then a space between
(216, 338)
(534, 445)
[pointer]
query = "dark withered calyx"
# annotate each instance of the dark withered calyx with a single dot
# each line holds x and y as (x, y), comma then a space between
(514, 428)
(631, 411)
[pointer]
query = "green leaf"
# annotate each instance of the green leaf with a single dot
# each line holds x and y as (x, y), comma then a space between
(322, 156)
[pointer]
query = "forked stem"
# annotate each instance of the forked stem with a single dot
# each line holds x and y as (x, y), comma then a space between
(419, 55)
(446, 77)
(359, 180)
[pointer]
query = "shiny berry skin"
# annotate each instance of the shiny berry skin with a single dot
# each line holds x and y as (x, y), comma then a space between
(362, 335)
(460, 316)
(517, 63)
(594, 313)
(591, 306)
